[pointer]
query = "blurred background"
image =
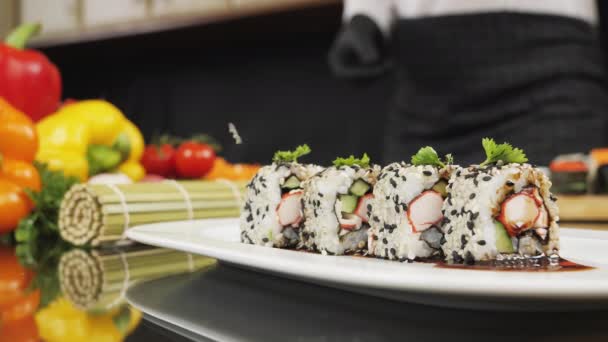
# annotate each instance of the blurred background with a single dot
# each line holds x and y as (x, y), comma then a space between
(188, 66)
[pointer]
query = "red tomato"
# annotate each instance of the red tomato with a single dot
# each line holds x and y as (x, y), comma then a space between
(14, 278)
(159, 160)
(23, 330)
(194, 160)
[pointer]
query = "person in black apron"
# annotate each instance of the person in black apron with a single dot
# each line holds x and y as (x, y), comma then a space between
(527, 72)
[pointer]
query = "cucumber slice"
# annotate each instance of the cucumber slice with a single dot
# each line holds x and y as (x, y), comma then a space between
(349, 203)
(359, 187)
(441, 187)
(291, 183)
(503, 240)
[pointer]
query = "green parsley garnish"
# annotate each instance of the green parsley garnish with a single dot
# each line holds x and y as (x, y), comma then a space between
(428, 156)
(350, 161)
(291, 156)
(502, 152)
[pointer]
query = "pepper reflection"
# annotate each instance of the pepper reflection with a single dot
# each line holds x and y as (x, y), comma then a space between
(78, 295)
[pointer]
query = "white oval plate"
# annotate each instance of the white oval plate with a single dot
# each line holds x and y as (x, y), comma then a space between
(412, 282)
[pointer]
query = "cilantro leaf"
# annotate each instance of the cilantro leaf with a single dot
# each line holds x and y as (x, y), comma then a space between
(351, 160)
(291, 156)
(501, 152)
(428, 156)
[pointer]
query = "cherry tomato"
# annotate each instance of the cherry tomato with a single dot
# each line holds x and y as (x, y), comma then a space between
(21, 173)
(14, 205)
(23, 330)
(14, 278)
(194, 160)
(159, 160)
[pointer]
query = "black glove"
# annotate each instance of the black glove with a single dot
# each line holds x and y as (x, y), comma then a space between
(359, 51)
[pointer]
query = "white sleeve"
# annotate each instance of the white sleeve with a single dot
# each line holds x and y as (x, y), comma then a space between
(381, 11)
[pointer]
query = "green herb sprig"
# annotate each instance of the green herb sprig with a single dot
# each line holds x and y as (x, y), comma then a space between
(501, 152)
(39, 245)
(351, 160)
(291, 156)
(428, 156)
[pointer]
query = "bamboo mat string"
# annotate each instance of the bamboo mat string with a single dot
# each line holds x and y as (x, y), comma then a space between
(190, 262)
(125, 207)
(233, 188)
(125, 283)
(186, 195)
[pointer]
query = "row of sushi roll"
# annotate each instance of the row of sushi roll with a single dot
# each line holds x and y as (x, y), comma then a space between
(428, 208)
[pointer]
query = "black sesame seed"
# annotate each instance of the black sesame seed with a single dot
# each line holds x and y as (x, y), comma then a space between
(375, 218)
(509, 183)
(470, 225)
(469, 259)
(450, 230)
(388, 197)
(463, 241)
(393, 251)
(442, 241)
(267, 208)
(553, 198)
(457, 258)
(249, 218)
(375, 237)
(384, 241)
(386, 252)
(393, 183)
(454, 212)
(320, 194)
(487, 178)
(369, 207)
(257, 212)
(381, 230)
(474, 215)
(472, 196)
(481, 242)
(265, 239)
(403, 178)
(458, 173)
(312, 235)
(397, 210)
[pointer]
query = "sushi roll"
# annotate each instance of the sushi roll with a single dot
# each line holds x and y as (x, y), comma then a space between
(272, 214)
(406, 214)
(337, 202)
(500, 209)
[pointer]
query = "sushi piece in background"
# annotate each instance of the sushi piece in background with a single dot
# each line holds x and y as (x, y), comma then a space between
(337, 203)
(406, 214)
(272, 214)
(570, 173)
(499, 209)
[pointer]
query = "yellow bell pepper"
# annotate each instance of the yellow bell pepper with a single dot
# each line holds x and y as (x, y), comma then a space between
(90, 137)
(60, 321)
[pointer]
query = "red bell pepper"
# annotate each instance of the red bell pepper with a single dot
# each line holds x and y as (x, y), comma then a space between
(28, 80)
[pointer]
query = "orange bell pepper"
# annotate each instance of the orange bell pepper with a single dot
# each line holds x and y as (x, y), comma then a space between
(18, 147)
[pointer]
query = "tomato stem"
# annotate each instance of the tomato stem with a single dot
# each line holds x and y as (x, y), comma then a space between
(20, 35)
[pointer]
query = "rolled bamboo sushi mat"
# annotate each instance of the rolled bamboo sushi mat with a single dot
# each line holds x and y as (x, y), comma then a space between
(98, 281)
(99, 214)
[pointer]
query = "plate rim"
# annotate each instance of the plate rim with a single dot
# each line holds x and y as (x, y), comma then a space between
(547, 285)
